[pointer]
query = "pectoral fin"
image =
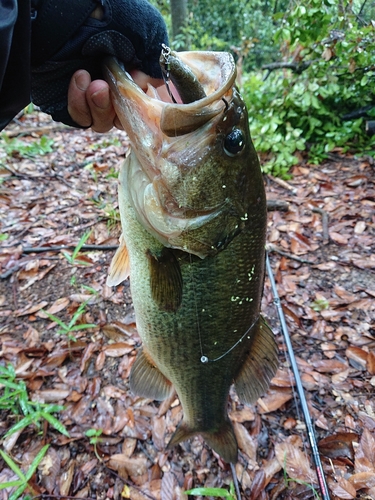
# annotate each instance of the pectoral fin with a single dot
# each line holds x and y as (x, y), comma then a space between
(166, 280)
(260, 364)
(146, 380)
(119, 269)
(222, 440)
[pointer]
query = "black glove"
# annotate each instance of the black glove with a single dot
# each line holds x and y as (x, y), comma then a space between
(65, 39)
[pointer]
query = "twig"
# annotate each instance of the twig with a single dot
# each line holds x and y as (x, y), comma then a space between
(296, 67)
(36, 130)
(301, 393)
(273, 205)
(19, 266)
(274, 248)
(104, 248)
(325, 220)
(283, 184)
(235, 481)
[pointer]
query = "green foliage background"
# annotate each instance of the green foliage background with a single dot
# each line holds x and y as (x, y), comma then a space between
(330, 43)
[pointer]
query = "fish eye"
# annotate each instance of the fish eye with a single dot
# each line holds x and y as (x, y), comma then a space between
(234, 142)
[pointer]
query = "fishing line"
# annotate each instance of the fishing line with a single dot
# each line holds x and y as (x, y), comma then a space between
(207, 360)
(301, 393)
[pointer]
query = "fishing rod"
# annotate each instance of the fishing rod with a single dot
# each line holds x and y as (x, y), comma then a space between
(301, 393)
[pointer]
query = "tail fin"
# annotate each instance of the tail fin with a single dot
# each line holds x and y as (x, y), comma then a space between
(222, 440)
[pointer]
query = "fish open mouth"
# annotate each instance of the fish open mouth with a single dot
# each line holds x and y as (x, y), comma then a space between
(161, 133)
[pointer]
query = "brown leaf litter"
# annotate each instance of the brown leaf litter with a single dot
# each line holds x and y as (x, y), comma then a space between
(323, 259)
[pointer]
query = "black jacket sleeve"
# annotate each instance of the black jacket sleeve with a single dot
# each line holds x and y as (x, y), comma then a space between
(14, 58)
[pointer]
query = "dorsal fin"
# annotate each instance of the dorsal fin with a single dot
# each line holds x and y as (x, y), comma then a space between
(119, 269)
(259, 366)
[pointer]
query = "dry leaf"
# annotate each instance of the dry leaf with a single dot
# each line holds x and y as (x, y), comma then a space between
(246, 442)
(363, 480)
(135, 466)
(57, 306)
(118, 349)
(343, 489)
(274, 399)
(339, 445)
(295, 462)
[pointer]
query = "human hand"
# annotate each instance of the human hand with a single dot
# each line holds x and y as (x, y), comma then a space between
(131, 30)
(90, 104)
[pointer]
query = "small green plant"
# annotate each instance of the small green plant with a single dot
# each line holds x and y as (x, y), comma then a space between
(94, 435)
(16, 400)
(72, 326)
(36, 413)
(321, 304)
(288, 480)
(26, 149)
(214, 492)
(105, 143)
(112, 215)
(24, 478)
(112, 174)
(73, 258)
(90, 290)
(4, 236)
(14, 391)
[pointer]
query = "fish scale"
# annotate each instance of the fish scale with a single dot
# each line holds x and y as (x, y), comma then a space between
(196, 275)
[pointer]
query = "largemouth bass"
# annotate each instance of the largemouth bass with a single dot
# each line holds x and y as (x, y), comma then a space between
(193, 214)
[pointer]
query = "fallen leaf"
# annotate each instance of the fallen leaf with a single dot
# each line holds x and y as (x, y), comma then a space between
(57, 306)
(339, 445)
(295, 462)
(274, 399)
(342, 489)
(135, 466)
(363, 480)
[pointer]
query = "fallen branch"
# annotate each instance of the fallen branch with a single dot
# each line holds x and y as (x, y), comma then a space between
(273, 205)
(103, 248)
(274, 248)
(325, 220)
(358, 113)
(283, 184)
(37, 130)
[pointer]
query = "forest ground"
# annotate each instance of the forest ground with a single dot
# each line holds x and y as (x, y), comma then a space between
(322, 254)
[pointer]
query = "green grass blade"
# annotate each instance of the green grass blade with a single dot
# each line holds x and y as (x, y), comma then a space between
(29, 419)
(18, 492)
(57, 320)
(68, 256)
(11, 484)
(36, 462)
(12, 465)
(210, 492)
(80, 244)
(55, 423)
(82, 327)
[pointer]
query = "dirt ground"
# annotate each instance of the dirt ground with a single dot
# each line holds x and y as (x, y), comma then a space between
(322, 254)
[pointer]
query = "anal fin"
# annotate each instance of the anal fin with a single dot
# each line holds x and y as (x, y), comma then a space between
(147, 380)
(166, 280)
(222, 440)
(119, 269)
(260, 364)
